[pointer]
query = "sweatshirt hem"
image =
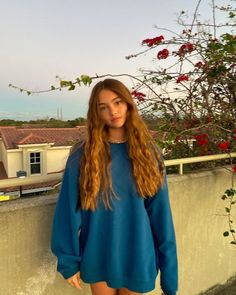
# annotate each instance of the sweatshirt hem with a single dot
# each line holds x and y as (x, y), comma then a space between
(115, 282)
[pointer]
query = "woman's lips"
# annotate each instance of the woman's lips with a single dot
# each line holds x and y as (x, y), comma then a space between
(116, 119)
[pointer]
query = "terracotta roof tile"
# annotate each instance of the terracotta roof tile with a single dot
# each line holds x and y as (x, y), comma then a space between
(13, 136)
(31, 138)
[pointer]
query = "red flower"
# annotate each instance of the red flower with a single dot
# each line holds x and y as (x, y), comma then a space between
(234, 168)
(223, 145)
(182, 78)
(138, 95)
(153, 41)
(163, 54)
(186, 48)
(199, 64)
(201, 139)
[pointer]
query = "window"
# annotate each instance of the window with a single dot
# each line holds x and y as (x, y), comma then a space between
(35, 166)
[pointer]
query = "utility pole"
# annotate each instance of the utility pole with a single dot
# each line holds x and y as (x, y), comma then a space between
(61, 115)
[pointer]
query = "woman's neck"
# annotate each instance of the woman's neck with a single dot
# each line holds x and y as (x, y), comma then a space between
(116, 135)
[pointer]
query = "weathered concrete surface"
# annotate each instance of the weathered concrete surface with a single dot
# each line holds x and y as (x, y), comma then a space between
(27, 266)
(229, 288)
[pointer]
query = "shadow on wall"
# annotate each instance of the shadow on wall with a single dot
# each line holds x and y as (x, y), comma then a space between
(229, 288)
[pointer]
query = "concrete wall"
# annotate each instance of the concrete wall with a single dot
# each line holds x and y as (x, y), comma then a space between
(205, 257)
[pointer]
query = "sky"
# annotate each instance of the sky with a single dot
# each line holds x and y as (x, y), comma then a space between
(44, 39)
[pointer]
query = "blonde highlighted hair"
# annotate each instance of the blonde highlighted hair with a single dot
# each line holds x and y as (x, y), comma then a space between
(95, 173)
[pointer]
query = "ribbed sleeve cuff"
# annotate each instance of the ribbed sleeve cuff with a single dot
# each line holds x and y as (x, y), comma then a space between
(69, 272)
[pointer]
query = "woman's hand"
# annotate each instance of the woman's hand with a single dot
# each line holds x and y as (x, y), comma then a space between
(75, 281)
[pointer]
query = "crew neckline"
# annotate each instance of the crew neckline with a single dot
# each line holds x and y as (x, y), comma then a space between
(118, 142)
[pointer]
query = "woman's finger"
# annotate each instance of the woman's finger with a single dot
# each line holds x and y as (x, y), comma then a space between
(77, 282)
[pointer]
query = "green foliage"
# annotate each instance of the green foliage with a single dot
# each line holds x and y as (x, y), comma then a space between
(45, 123)
(86, 80)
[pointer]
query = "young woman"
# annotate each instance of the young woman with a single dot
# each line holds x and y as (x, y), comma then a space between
(113, 225)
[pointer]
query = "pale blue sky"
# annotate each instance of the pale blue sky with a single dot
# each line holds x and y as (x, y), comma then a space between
(42, 39)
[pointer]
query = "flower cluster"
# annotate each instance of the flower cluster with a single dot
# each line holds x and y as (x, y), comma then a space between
(153, 41)
(138, 95)
(224, 145)
(234, 168)
(163, 54)
(201, 139)
(185, 48)
(182, 78)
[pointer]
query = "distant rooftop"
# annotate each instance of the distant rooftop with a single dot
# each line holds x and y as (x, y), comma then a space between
(14, 136)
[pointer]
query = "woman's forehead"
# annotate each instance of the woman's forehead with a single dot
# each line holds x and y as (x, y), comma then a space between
(106, 96)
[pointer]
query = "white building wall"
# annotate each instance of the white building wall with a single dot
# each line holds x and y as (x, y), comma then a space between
(52, 159)
(56, 158)
(4, 157)
(14, 161)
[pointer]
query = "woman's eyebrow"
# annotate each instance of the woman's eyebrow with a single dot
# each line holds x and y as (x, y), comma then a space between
(111, 100)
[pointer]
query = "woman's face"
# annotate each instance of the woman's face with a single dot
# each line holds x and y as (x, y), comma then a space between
(112, 109)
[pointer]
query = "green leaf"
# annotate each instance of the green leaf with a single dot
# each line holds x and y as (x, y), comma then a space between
(72, 87)
(86, 80)
(168, 77)
(64, 83)
(53, 87)
(225, 234)
(224, 197)
(28, 92)
(227, 209)
(233, 242)
(232, 231)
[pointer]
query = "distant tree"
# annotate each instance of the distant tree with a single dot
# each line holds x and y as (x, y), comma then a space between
(10, 122)
(77, 122)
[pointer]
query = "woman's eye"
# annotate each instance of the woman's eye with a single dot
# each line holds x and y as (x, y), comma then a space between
(119, 101)
(102, 108)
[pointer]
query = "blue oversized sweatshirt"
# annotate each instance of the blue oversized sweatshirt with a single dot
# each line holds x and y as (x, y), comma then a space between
(125, 247)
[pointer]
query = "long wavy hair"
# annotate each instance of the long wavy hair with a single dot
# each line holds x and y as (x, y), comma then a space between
(95, 165)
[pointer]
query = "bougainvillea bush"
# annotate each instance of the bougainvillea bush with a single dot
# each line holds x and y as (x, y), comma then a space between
(192, 90)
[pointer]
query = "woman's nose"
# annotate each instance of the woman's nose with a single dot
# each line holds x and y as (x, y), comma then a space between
(113, 111)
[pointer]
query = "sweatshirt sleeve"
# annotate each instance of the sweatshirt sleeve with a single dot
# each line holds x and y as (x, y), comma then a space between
(67, 223)
(159, 211)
